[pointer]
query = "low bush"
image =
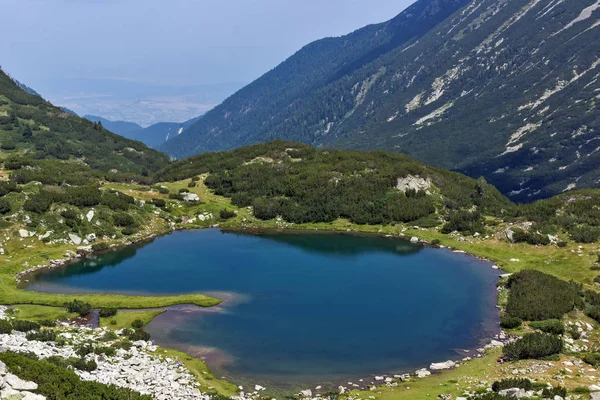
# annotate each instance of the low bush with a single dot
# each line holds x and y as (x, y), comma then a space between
(536, 296)
(530, 237)
(533, 345)
(139, 335)
(47, 323)
(84, 349)
(5, 326)
(109, 336)
(510, 383)
(593, 359)
(100, 246)
(574, 332)
(226, 214)
(25, 326)
(44, 335)
(5, 206)
(510, 322)
(593, 312)
(79, 307)
(137, 324)
(108, 312)
(159, 202)
(551, 393)
(83, 365)
(553, 326)
(123, 219)
(129, 230)
(106, 350)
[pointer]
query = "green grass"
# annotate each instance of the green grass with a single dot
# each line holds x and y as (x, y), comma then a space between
(124, 319)
(453, 382)
(39, 313)
(31, 252)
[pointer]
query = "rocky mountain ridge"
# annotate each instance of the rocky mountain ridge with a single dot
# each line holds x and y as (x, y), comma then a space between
(505, 89)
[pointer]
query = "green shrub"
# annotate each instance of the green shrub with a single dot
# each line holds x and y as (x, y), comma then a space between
(435, 242)
(100, 246)
(574, 332)
(533, 345)
(593, 359)
(593, 312)
(44, 335)
(84, 349)
(38, 204)
(5, 206)
(108, 312)
(553, 326)
(123, 219)
(510, 322)
(536, 296)
(159, 203)
(530, 237)
(139, 335)
(47, 323)
(226, 214)
(25, 326)
(183, 190)
(83, 365)
(106, 350)
(137, 324)
(163, 190)
(129, 230)
(550, 393)
(109, 336)
(5, 326)
(79, 307)
(585, 234)
(8, 145)
(510, 383)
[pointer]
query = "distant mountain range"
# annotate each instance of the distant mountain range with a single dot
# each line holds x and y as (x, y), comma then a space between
(153, 136)
(507, 89)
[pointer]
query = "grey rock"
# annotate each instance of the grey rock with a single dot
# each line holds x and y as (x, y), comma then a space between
(18, 384)
(10, 394)
(74, 238)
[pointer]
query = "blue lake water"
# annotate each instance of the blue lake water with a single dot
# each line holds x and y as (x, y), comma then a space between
(300, 307)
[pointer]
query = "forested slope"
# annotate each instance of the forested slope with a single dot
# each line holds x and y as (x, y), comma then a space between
(505, 89)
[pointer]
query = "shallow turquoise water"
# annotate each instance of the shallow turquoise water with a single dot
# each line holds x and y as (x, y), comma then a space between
(301, 307)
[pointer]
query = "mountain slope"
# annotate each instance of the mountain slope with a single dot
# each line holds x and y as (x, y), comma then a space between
(157, 134)
(505, 89)
(41, 138)
(259, 107)
(123, 128)
(152, 136)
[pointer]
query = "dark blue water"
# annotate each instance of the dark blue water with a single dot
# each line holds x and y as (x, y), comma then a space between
(301, 307)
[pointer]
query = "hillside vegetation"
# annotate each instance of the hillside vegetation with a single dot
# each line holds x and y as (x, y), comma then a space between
(302, 184)
(37, 135)
(505, 89)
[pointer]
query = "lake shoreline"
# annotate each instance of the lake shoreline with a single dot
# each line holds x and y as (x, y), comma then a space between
(259, 231)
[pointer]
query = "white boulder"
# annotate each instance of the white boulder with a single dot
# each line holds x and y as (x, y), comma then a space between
(18, 384)
(442, 365)
(74, 238)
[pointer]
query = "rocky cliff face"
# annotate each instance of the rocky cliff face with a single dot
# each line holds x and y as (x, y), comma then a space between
(507, 89)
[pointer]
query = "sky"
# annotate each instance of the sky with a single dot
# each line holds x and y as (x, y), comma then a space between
(63, 48)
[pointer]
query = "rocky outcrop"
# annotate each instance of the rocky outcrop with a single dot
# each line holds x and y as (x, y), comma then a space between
(413, 182)
(14, 388)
